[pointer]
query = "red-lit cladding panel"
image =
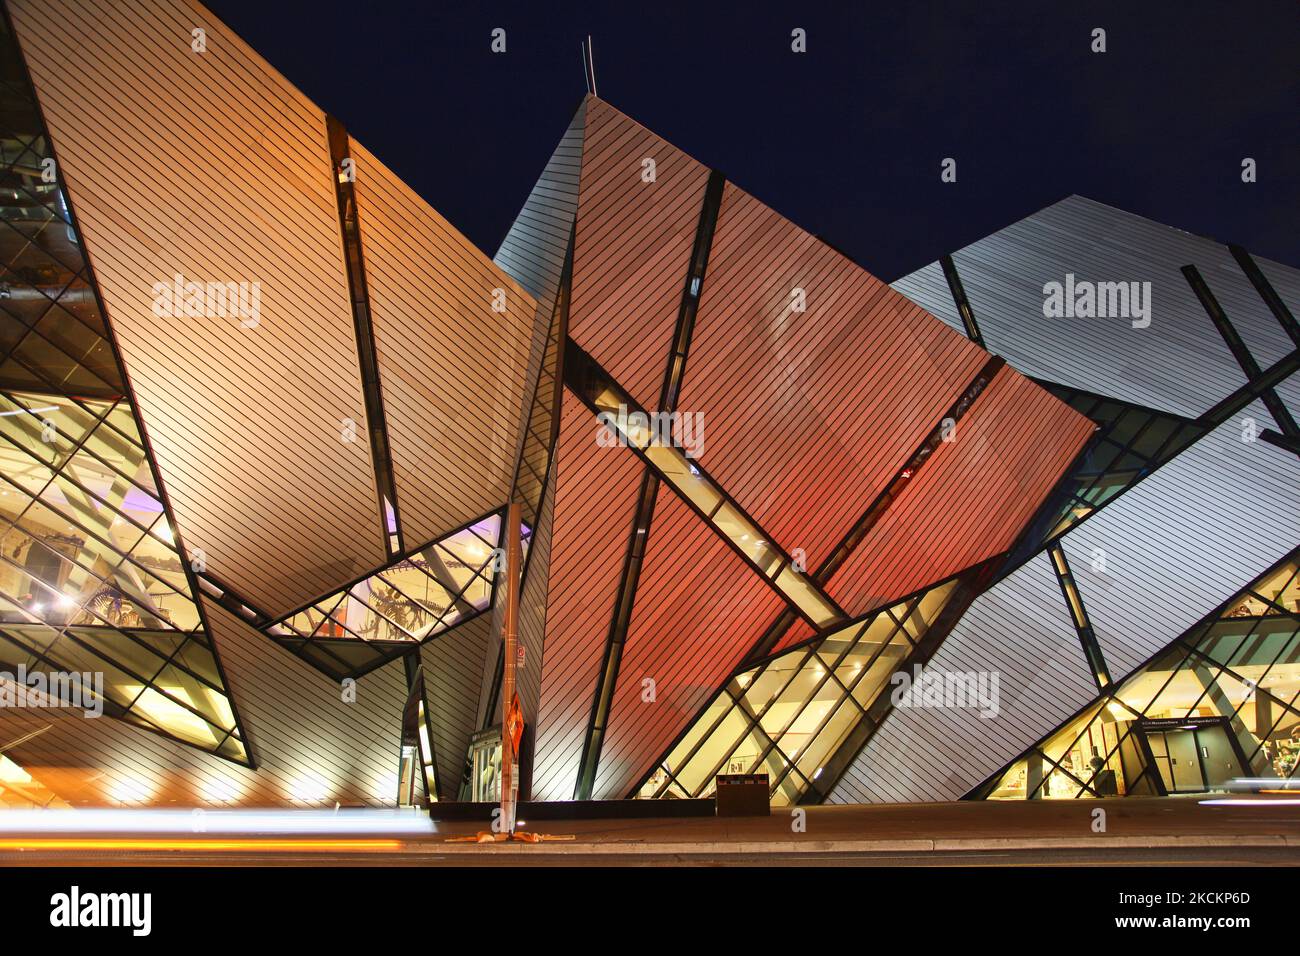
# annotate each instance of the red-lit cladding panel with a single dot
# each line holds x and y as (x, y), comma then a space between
(698, 609)
(595, 495)
(639, 204)
(799, 631)
(815, 380)
(971, 499)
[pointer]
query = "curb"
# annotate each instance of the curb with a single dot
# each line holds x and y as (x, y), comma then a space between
(943, 845)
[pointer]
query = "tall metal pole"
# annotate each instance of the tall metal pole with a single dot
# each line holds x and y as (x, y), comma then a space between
(509, 758)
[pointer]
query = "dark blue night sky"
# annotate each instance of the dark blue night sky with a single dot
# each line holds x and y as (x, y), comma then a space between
(847, 139)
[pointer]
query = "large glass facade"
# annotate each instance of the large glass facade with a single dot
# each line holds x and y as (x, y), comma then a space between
(1219, 704)
(788, 716)
(409, 601)
(91, 579)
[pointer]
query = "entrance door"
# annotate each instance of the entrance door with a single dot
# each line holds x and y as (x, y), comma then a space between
(1184, 761)
(1194, 758)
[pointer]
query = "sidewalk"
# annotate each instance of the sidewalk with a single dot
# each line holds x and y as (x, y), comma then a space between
(921, 828)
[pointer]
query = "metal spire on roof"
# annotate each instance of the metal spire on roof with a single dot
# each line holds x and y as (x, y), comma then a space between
(589, 66)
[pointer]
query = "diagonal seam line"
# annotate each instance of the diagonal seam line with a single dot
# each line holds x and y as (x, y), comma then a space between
(643, 516)
(363, 326)
(1232, 338)
(1078, 612)
(880, 505)
(592, 370)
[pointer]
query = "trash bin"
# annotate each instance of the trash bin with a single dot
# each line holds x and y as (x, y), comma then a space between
(742, 795)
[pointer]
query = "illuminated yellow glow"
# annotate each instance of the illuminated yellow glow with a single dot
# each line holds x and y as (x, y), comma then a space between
(206, 845)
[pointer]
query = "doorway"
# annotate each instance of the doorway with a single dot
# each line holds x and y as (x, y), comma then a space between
(1196, 756)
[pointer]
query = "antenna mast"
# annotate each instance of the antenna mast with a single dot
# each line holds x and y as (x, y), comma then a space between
(589, 66)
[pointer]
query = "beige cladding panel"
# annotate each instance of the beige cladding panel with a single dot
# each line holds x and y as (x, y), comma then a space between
(211, 166)
(451, 366)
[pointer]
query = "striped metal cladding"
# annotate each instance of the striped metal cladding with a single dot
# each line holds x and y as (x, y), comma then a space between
(595, 492)
(1150, 563)
(311, 748)
(1232, 501)
(972, 498)
(250, 448)
(453, 370)
(245, 422)
(1177, 364)
(534, 248)
(793, 403)
(532, 608)
(630, 578)
(698, 609)
(1019, 629)
(1236, 511)
(784, 632)
(452, 664)
(632, 248)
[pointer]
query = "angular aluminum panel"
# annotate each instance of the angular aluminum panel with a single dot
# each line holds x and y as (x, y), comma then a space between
(807, 415)
(971, 499)
(211, 166)
(595, 495)
(633, 248)
(698, 609)
(1178, 363)
(452, 369)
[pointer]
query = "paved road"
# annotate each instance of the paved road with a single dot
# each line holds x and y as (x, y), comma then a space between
(1170, 856)
(1136, 832)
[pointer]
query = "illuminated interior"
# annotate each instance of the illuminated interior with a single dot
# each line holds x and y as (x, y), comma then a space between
(1218, 704)
(91, 580)
(788, 716)
(412, 599)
